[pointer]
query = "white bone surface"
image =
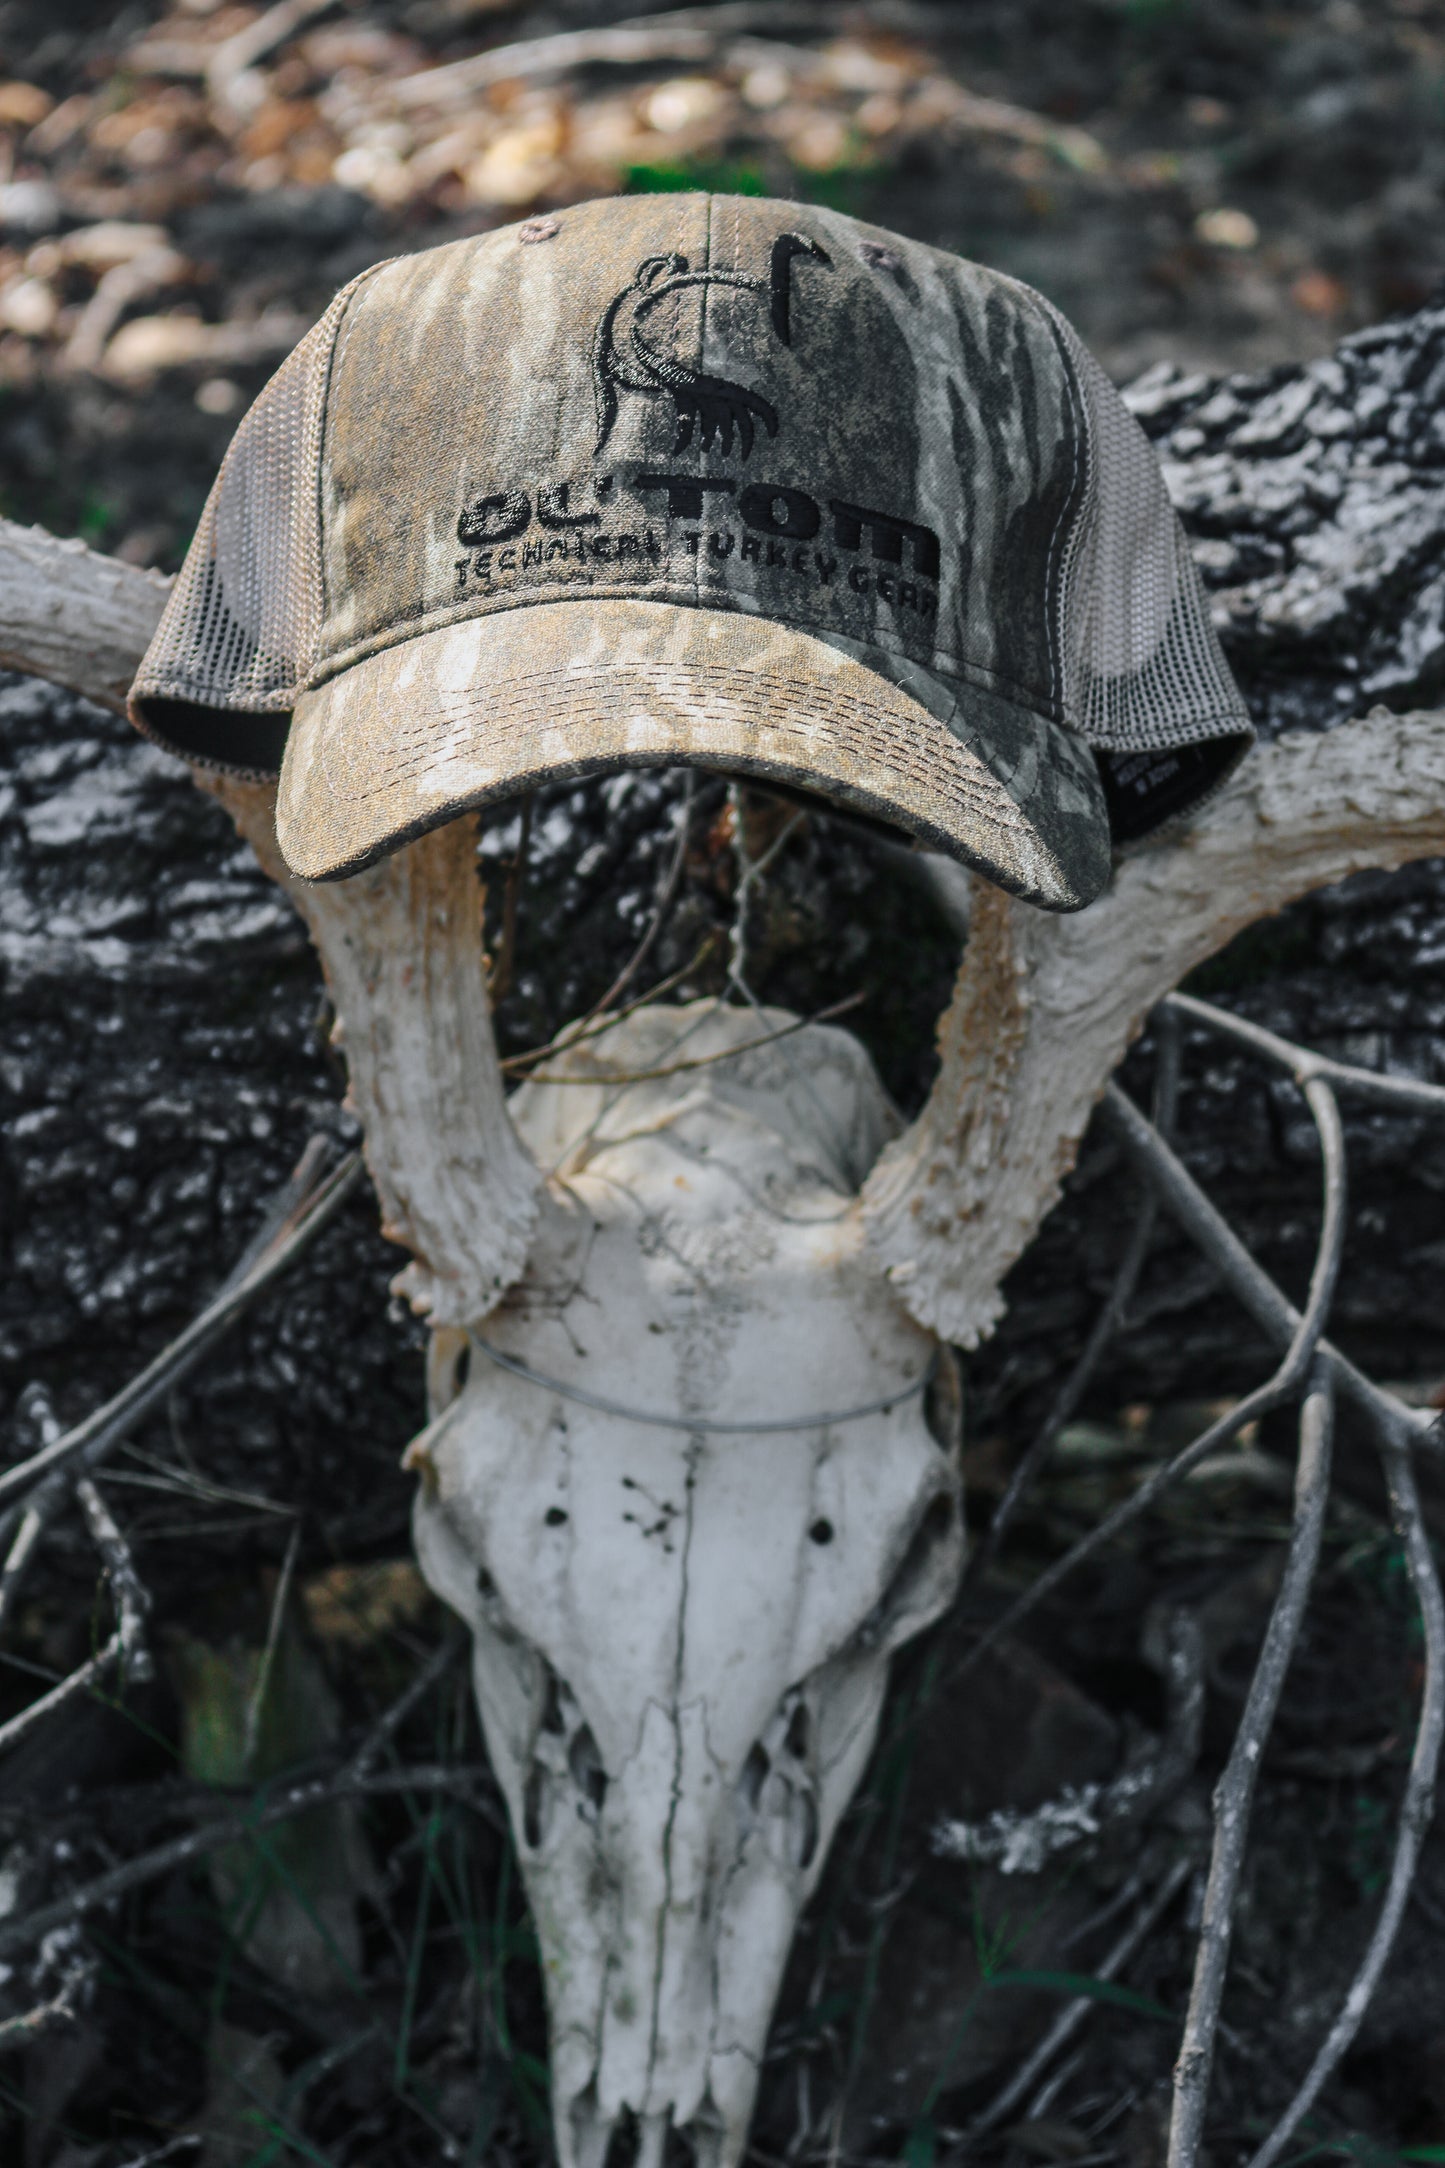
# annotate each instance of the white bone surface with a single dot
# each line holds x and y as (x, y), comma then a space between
(681, 1638)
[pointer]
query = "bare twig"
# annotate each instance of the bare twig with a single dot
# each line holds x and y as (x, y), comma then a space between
(667, 896)
(595, 1025)
(247, 48)
(436, 1667)
(184, 2144)
(1303, 1332)
(1273, 1311)
(1234, 1794)
(1106, 1324)
(684, 34)
(704, 1061)
(88, 1444)
(119, 288)
(1416, 1811)
(1073, 2014)
(126, 1649)
(750, 872)
(129, 1593)
(470, 1784)
(79, 1682)
(44, 1502)
(255, 1706)
(41, 1508)
(1409, 1094)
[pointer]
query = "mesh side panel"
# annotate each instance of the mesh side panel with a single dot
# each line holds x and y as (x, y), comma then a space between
(1142, 665)
(243, 622)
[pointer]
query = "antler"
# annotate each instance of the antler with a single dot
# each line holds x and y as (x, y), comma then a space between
(401, 946)
(1045, 1007)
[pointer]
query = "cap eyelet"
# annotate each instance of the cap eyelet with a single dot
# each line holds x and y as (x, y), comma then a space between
(538, 229)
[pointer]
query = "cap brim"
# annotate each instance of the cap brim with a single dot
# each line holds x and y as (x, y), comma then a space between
(473, 712)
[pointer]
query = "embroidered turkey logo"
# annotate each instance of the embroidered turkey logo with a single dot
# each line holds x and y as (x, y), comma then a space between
(632, 352)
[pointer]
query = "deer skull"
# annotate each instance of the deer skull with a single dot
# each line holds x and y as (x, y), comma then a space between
(681, 1635)
(679, 1703)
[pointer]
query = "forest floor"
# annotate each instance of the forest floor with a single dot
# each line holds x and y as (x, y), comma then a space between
(1227, 187)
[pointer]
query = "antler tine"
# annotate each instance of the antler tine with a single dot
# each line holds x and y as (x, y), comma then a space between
(1045, 1008)
(401, 946)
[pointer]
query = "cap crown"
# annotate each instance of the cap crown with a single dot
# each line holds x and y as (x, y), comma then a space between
(706, 401)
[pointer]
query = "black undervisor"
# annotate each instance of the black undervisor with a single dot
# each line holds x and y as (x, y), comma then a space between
(216, 737)
(1144, 790)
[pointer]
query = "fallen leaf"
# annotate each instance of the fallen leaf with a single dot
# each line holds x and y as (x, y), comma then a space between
(1225, 227)
(274, 126)
(1319, 295)
(820, 144)
(519, 166)
(23, 105)
(350, 1606)
(683, 103)
(28, 306)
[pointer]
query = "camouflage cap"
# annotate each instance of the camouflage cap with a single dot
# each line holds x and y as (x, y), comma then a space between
(701, 479)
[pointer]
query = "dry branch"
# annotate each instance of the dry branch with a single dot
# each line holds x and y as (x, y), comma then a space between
(1145, 1919)
(1301, 1331)
(1108, 1322)
(69, 614)
(1234, 1794)
(87, 1445)
(473, 1786)
(128, 1592)
(1417, 1809)
(682, 35)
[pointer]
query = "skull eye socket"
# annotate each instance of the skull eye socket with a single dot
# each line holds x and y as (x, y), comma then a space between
(925, 1578)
